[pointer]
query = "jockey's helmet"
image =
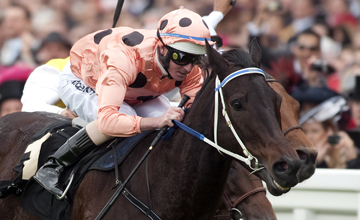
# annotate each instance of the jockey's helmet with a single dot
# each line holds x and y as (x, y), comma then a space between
(183, 33)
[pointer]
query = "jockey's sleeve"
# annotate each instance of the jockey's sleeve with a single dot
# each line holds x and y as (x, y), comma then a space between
(111, 89)
(212, 20)
(192, 84)
(40, 92)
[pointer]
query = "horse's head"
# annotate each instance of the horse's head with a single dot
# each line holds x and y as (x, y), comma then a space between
(290, 125)
(242, 194)
(253, 110)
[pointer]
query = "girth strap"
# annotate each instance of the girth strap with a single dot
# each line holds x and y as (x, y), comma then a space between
(138, 204)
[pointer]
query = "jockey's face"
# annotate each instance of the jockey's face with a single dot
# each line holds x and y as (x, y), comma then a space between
(178, 72)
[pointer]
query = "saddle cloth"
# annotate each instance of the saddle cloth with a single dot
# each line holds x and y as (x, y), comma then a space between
(36, 199)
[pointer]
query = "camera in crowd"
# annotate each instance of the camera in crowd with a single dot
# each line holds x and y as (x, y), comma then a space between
(333, 139)
(322, 66)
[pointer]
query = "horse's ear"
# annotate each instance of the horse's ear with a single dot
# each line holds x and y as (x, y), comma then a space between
(215, 60)
(255, 52)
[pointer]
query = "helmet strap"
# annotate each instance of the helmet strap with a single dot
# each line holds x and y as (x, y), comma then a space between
(165, 60)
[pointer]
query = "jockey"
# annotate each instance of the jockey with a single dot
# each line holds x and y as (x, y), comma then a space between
(41, 93)
(129, 69)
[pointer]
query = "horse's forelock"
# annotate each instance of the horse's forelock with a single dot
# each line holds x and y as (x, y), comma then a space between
(239, 57)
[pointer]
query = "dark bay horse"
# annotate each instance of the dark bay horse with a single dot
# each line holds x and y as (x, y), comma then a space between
(185, 175)
(240, 196)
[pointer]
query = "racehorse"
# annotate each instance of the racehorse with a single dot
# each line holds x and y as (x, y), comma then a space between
(240, 196)
(185, 176)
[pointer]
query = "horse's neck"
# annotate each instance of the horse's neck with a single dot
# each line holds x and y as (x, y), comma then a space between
(200, 171)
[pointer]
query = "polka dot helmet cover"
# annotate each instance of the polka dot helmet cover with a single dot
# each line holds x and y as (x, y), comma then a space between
(184, 30)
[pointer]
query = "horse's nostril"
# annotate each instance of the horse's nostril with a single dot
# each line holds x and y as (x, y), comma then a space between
(302, 155)
(282, 166)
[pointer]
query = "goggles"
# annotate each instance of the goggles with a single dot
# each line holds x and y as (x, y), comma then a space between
(182, 58)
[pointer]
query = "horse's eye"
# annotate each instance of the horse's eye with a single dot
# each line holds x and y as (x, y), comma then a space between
(236, 104)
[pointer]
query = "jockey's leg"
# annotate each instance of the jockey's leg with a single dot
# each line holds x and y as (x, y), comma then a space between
(82, 100)
(69, 153)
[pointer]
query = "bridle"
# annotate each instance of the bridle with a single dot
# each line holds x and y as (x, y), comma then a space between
(232, 206)
(292, 128)
(218, 93)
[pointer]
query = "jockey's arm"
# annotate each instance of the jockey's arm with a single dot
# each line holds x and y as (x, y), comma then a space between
(192, 84)
(221, 8)
(111, 88)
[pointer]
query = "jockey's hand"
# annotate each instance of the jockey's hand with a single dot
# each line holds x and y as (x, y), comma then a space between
(164, 120)
(173, 113)
(223, 6)
(66, 112)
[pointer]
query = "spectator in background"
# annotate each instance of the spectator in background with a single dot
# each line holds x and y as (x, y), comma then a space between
(355, 43)
(354, 102)
(266, 25)
(294, 70)
(348, 78)
(303, 17)
(12, 80)
(18, 42)
(312, 97)
(53, 46)
(335, 147)
(338, 13)
(10, 94)
(15, 72)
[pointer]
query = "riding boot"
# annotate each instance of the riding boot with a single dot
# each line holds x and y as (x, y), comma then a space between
(68, 154)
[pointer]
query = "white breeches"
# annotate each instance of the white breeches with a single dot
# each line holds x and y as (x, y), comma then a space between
(82, 100)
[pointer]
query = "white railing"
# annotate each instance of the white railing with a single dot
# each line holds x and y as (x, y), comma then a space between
(330, 194)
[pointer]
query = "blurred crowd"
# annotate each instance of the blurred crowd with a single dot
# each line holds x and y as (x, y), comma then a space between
(312, 47)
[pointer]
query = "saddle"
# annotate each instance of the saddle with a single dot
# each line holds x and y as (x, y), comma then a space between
(34, 198)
